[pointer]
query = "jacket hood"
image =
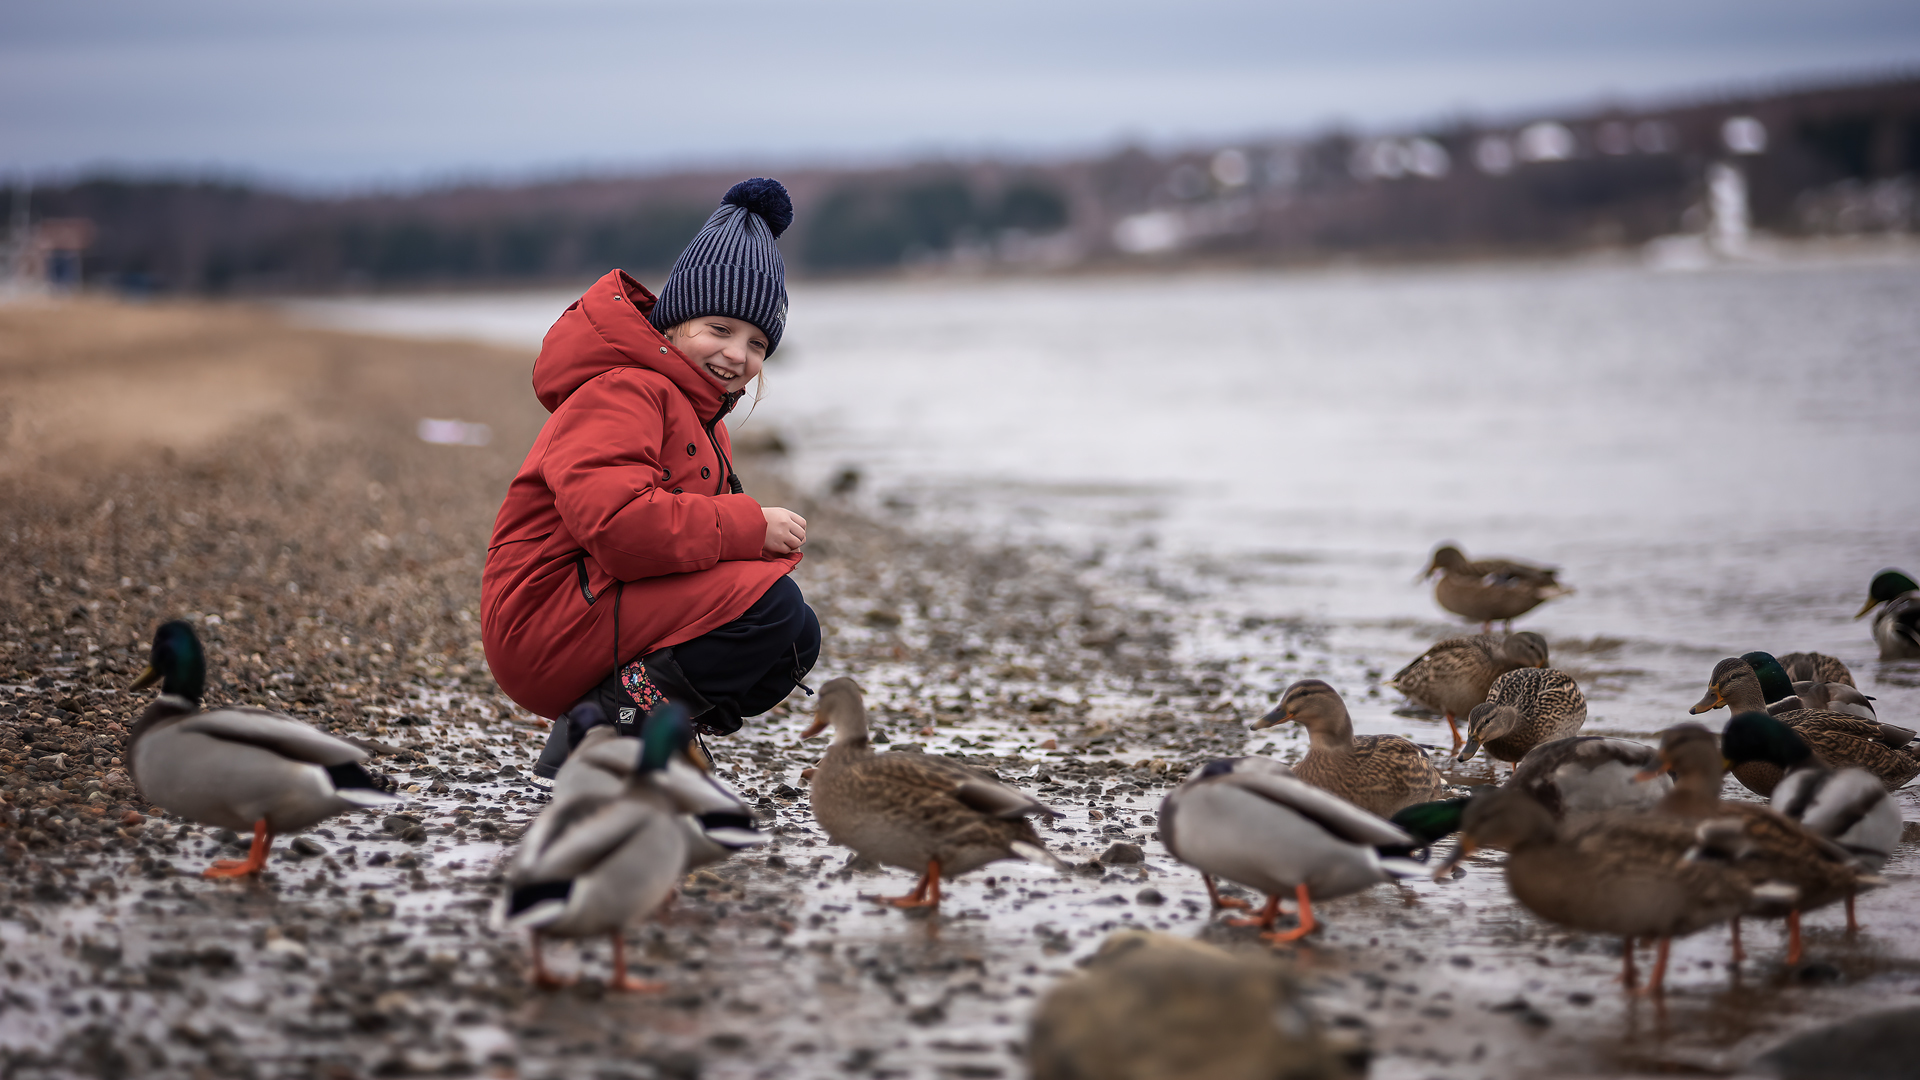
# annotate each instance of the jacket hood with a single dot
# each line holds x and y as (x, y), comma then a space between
(607, 328)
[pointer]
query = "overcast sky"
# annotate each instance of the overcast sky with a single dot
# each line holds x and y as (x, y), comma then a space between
(347, 93)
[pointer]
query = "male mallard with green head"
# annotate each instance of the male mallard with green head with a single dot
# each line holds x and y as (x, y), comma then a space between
(1896, 627)
(237, 768)
(1490, 590)
(915, 811)
(1840, 739)
(1850, 807)
(595, 861)
(1377, 773)
(1785, 693)
(1454, 675)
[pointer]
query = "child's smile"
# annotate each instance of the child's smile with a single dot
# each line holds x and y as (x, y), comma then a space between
(731, 351)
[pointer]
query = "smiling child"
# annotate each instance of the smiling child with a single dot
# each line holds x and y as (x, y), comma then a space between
(627, 566)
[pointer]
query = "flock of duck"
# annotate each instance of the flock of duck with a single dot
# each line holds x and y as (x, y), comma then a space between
(1602, 835)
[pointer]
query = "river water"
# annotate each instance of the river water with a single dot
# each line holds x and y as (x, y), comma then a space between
(1719, 460)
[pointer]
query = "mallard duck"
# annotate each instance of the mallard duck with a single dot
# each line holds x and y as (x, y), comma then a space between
(1590, 774)
(1847, 806)
(237, 768)
(1768, 847)
(1377, 773)
(1896, 629)
(1785, 695)
(719, 824)
(1490, 590)
(594, 861)
(1454, 676)
(912, 810)
(1815, 667)
(1621, 872)
(1838, 738)
(1247, 821)
(1164, 1007)
(1523, 709)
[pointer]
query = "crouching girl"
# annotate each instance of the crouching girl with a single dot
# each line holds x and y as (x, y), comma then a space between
(627, 566)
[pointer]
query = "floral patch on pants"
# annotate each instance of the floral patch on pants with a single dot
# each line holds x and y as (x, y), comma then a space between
(633, 678)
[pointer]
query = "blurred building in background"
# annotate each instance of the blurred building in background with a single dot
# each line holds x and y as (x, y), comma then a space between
(1828, 161)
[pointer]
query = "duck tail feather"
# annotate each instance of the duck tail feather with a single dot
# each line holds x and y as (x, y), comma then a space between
(1034, 853)
(1398, 867)
(369, 799)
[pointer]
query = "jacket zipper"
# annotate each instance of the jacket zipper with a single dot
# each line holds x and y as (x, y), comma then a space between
(731, 484)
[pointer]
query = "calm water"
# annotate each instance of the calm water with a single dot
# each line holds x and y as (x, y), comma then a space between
(1719, 460)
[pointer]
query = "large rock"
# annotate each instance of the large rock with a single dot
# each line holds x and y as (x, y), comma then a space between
(1879, 1046)
(1158, 1007)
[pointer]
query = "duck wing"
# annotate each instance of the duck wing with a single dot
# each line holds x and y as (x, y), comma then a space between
(1847, 806)
(1588, 774)
(271, 731)
(1331, 812)
(583, 834)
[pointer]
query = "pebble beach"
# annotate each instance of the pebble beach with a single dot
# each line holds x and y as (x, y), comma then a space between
(266, 481)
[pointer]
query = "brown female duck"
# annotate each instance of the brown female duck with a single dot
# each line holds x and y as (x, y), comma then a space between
(1378, 773)
(1764, 845)
(1454, 676)
(916, 811)
(1490, 590)
(1620, 872)
(1523, 709)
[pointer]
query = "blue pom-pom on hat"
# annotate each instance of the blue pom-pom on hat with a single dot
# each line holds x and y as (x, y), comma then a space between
(765, 197)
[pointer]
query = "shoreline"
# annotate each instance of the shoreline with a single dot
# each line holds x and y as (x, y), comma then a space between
(315, 544)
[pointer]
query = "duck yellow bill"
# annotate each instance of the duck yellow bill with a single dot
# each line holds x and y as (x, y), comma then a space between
(147, 678)
(1712, 701)
(1871, 604)
(699, 757)
(819, 724)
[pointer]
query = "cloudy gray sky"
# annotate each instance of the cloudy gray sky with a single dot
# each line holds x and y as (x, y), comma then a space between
(356, 92)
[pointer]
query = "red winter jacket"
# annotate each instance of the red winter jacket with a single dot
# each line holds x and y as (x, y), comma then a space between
(622, 506)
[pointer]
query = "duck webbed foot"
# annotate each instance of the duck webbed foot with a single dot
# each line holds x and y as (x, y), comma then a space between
(1269, 915)
(255, 861)
(926, 894)
(621, 981)
(1213, 893)
(1307, 925)
(542, 978)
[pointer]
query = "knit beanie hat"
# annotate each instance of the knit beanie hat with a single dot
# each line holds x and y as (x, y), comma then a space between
(733, 268)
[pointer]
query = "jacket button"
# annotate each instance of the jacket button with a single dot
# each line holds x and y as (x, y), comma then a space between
(690, 450)
(663, 348)
(705, 472)
(679, 491)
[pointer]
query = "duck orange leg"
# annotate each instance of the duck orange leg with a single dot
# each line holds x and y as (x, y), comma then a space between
(1793, 936)
(1853, 927)
(542, 978)
(621, 981)
(1458, 742)
(1265, 920)
(924, 895)
(1307, 925)
(1739, 953)
(255, 861)
(1222, 901)
(1657, 982)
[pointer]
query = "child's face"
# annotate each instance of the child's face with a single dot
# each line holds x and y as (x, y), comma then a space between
(730, 351)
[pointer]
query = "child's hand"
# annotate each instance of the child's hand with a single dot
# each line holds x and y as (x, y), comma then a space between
(786, 531)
